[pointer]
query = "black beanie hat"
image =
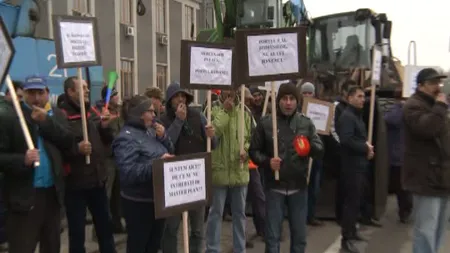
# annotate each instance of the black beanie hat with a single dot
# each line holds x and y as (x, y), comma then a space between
(287, 89)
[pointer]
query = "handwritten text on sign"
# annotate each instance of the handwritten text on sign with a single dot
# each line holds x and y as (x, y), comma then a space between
(319, 114)
(211, 66)
(78, 42)
(184, 182)
(272, 54)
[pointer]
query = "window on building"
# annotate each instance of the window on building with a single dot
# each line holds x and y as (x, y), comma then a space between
(211, 14)
(126, 12)
(81, 7)
(189, 23)
(161, 77)
(127, 77)
(210, 23)
(161, 16)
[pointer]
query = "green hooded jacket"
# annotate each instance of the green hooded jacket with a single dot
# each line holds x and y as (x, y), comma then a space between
(226, 166)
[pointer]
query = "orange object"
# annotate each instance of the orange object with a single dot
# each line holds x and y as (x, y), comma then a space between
(251, 165)
(217, 92)
(301, 145)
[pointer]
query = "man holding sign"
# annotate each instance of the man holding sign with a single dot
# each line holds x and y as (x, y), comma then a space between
(33, 195)
(298, 141)
(86, 182)
(188, 130)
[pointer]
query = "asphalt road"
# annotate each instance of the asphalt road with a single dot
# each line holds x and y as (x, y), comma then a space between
(392, 238)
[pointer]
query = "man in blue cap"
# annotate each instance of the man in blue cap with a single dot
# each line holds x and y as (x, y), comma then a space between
(34, 194)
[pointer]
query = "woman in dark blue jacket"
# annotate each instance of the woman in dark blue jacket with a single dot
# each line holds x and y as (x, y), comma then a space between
(139, 143)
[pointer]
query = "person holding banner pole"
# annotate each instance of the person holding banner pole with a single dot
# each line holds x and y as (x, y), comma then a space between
(227, 174)
(356, 153)
(298, 142)
(86, 183)
(34, 194)
(141, 141)
(189, 131)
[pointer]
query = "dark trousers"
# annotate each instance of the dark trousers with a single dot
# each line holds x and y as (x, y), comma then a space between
(258, 201)
(297, 211)
(39, 225)
(404, 198)
(114, 201)
(368, 197)
(314, 188)
(355, 183)
(197, 229)
(340, 196)
(2, 214)
(96, 200)
(144, 232)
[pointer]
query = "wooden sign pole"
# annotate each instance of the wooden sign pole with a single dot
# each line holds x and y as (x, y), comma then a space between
(208, 116)
(242, 123)
(23, 124)
(274, 127)
(371, 113)
(83, 110)
(185, 232)
(266, 102)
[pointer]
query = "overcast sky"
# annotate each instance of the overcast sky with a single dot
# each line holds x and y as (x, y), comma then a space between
(426, 22)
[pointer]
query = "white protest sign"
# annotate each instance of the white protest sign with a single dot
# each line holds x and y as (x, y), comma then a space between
(211, 66)
(272, 54)
(77, 41)
(410, 79)
(377, 65)
(320, 112)
(184, 182)
(6, 51)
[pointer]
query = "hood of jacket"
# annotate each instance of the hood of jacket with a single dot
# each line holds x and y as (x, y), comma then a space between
(172, 90)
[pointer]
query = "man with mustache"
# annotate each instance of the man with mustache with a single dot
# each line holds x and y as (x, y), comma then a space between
(426, 161)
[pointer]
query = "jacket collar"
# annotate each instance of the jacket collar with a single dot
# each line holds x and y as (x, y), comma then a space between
(425, 97)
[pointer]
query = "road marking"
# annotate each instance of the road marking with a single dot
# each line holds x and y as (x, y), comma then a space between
(335, 247)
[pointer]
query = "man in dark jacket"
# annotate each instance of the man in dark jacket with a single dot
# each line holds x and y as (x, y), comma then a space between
(334, 147)
(188, 130)
(355, 154)
(34, 195)
(395, 128)
(86, 182)
(426, 163)
(6, 101)
(291, 188)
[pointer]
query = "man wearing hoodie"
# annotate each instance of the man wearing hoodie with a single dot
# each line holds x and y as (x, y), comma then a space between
(188, 131)
(294, 132)
(228, 176)
(257, 104)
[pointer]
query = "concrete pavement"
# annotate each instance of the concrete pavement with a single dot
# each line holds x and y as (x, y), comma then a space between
(392, 238)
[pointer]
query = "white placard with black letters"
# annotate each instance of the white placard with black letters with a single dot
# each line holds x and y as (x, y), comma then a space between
(272, 54)
(211, 66)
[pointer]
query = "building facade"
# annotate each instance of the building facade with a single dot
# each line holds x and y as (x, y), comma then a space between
(140, 39)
